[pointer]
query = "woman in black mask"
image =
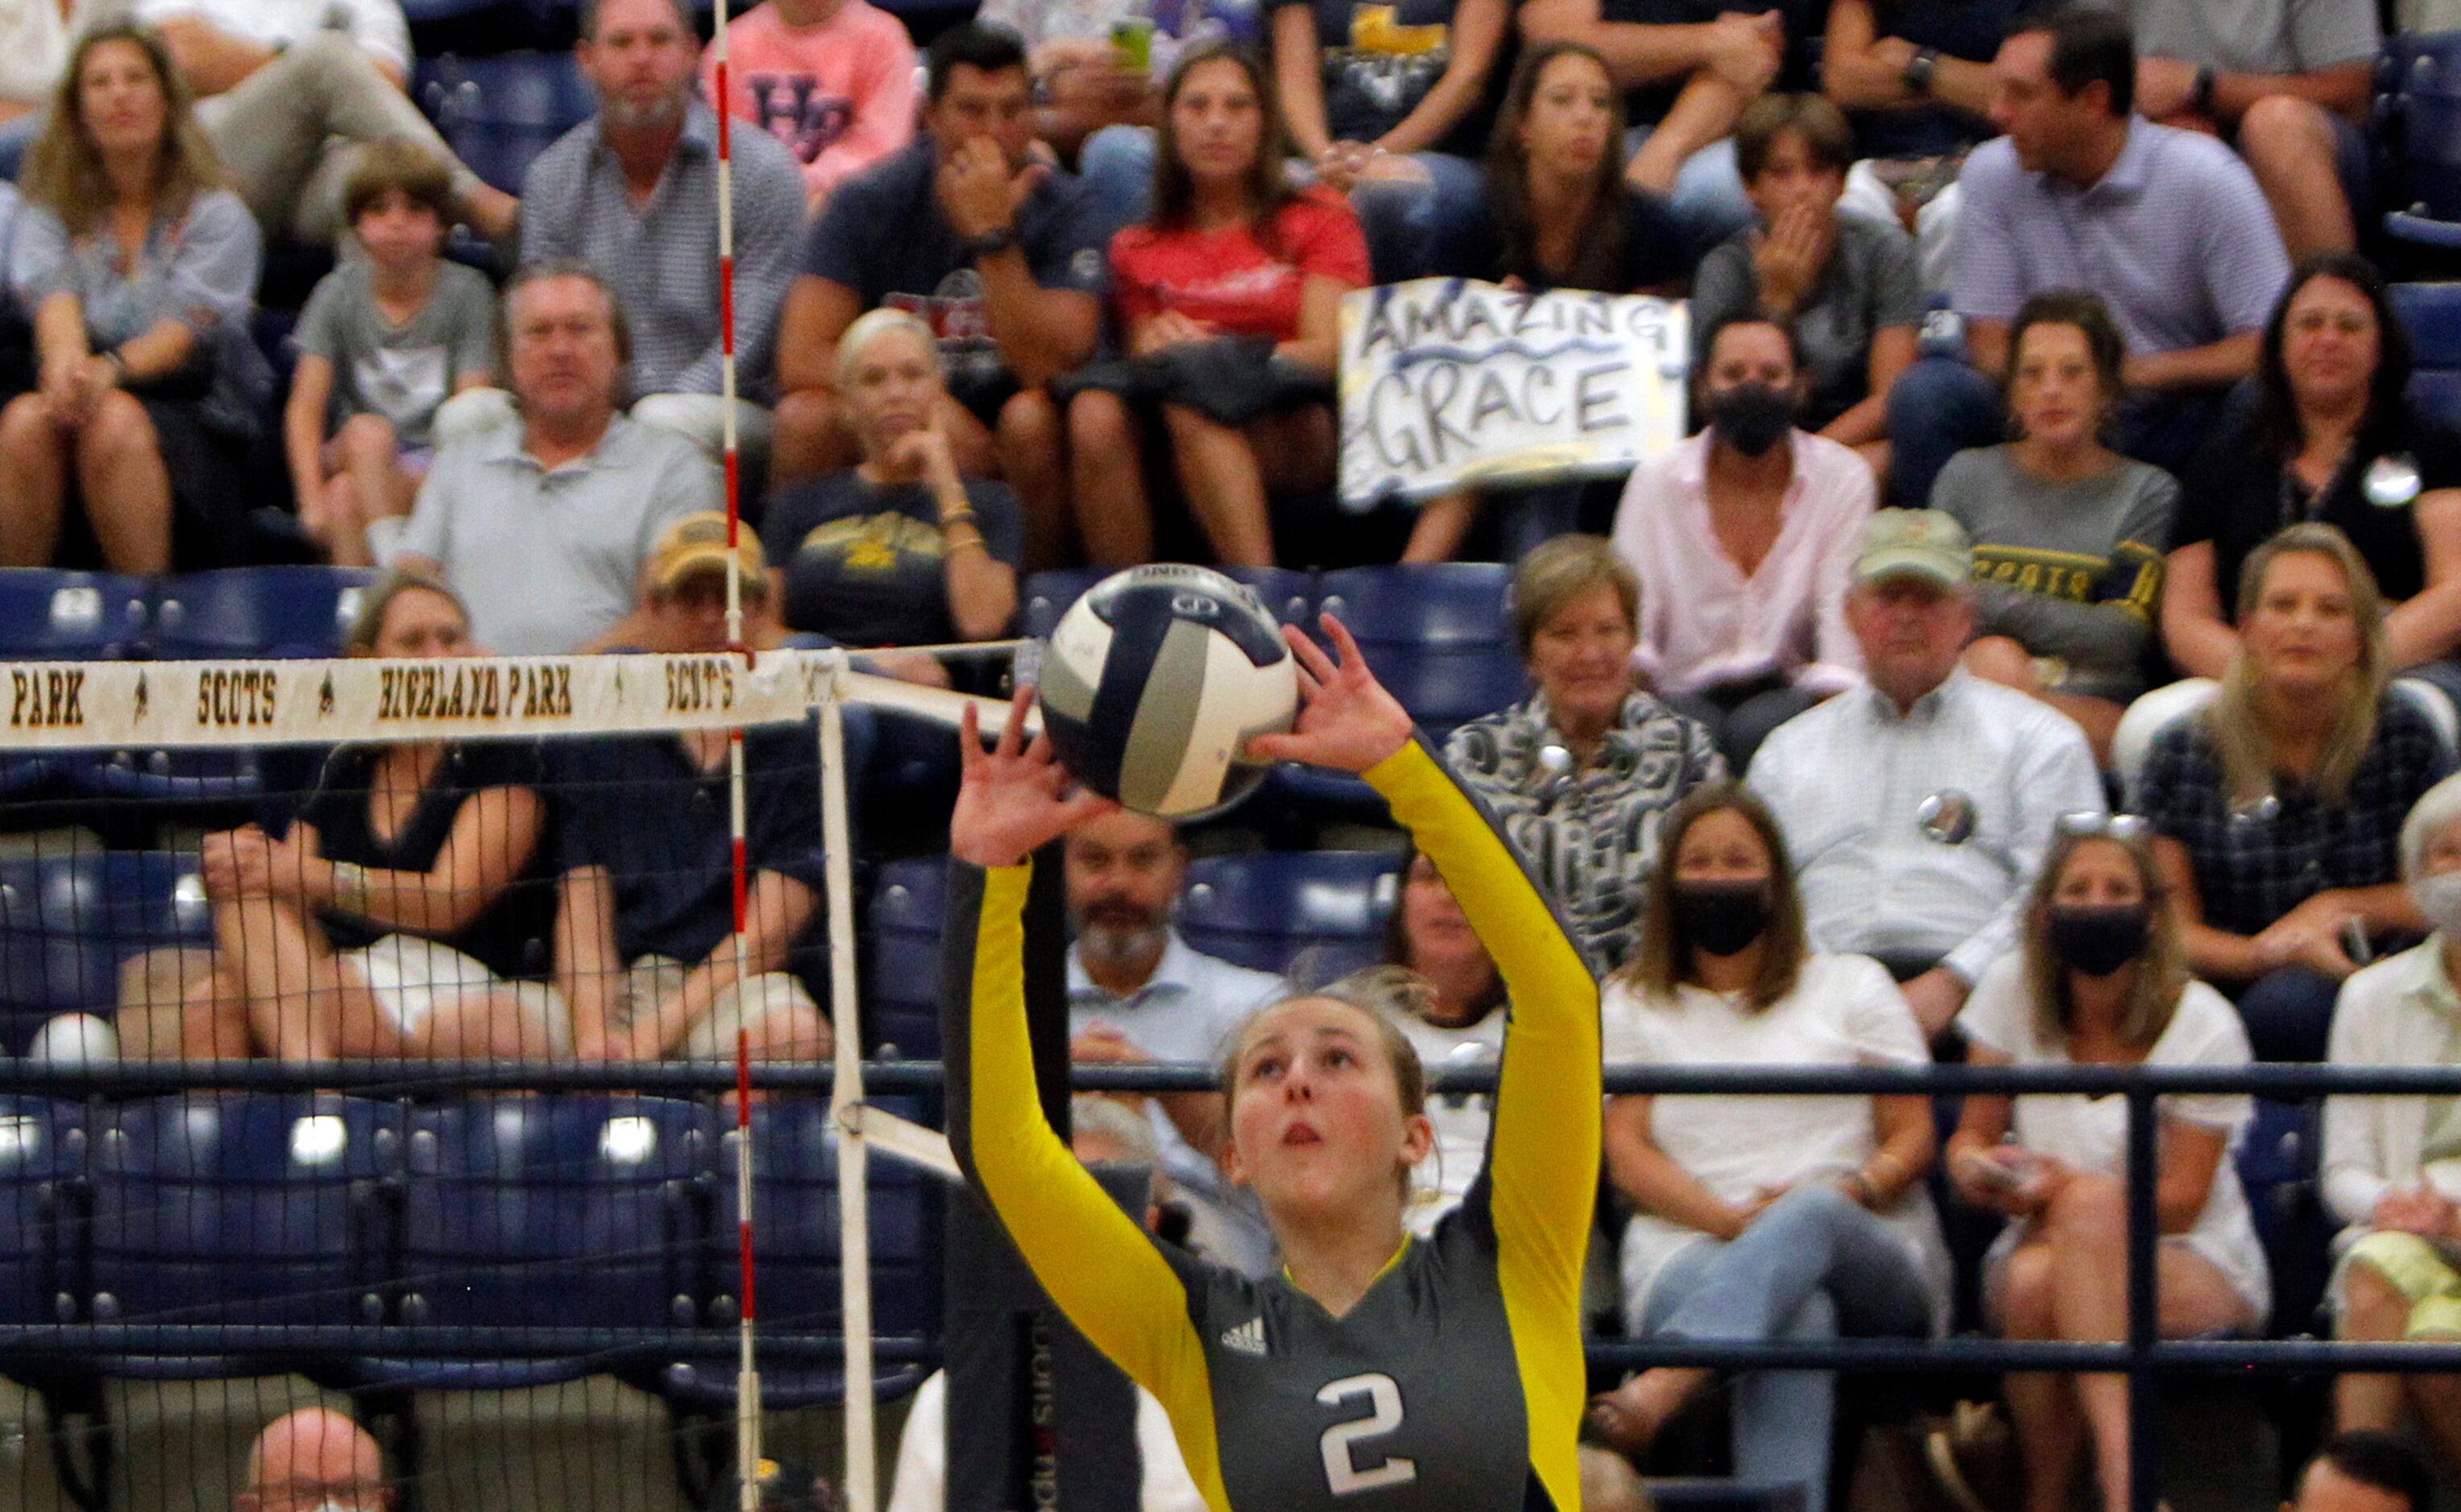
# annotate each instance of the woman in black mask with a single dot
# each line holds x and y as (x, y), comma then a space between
(1742, 538)
(2102, 979)
(1760, 1218)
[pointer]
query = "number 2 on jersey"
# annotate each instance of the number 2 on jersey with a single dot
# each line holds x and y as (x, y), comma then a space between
(1342, 1470)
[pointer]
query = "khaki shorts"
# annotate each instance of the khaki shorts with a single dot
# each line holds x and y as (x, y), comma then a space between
(745, 1005)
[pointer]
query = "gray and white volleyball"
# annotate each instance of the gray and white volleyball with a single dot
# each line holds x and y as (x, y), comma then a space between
(1153, 681)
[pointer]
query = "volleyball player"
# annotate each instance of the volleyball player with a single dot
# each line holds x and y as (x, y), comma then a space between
(1444, 1375)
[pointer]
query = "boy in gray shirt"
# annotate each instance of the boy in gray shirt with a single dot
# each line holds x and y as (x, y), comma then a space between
(385, 340)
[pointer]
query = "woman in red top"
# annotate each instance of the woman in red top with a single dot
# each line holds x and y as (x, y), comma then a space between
(1227, 300)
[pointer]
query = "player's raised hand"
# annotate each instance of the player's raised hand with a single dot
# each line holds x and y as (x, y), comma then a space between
(1014, 799)
(1347, 721)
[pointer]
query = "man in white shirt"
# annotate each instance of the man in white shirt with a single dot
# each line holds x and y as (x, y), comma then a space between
(1103, 1134)
(288, 89)
(1918, 807)
(1139, 992)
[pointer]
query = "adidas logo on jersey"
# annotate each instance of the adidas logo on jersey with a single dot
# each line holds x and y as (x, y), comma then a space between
(1247, 1338)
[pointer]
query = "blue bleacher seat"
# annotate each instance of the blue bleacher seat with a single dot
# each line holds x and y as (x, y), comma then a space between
(1436, 635)
(798, 1256)
(1287, 592)
(499, 112)
(2278, 1164)
(2431, 312)
(42, 1149)
(68, 921)
(557, 1211)
(902, 979)
(282, 611)
(1264, 909)
(240, 1210)
(2418, 119)
(47, 615)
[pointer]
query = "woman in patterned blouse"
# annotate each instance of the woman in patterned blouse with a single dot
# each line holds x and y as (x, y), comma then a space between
(1579, 772)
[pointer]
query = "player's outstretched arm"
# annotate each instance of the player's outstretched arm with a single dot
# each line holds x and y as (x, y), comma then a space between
(1100, 1268)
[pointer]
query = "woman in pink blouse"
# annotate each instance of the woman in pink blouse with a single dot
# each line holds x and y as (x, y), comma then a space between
(1742, 538)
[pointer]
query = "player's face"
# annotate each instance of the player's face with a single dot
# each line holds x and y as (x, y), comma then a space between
(1122, 873)
(891, 389)
(997, 104)
(120, 97)
(1722, 846)
(2330, 344)
(2303, 633)
(562, 357)
(1572, 111)
(641, 62)
(2099, 874)
(1432, 920)
(398, 231)
(1316, 1126)
(1794, 177)
(1581, 659)
(2054, 386)
(1911, 632)
(1217, 121)
(421, 623)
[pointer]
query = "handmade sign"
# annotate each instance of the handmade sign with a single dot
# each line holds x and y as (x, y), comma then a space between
(1447, 383)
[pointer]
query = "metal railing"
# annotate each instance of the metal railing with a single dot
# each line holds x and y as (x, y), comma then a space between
(2142, 1355)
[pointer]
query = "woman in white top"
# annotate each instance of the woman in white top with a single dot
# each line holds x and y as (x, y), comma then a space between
(1761, 1218)
(2392, 1165)
(1452, 1012)
(2101, 979)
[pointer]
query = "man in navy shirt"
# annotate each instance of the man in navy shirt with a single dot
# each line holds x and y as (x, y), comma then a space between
(1000, 253)
(644, 949)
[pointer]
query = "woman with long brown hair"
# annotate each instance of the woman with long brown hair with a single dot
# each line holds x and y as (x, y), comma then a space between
(1557, 214)
(2278, 806)
(2101, 979)
(1228, 299)
(138, 269)
(1761, 1219)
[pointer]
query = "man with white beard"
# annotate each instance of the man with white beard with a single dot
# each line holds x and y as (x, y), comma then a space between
(1139, 992)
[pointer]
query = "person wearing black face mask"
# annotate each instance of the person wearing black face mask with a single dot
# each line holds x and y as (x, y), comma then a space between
(1734, 1195)
(2101, 979)
(1742, 538)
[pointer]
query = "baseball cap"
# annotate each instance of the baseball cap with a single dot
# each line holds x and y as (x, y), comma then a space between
(1914, 543)
(697, 543)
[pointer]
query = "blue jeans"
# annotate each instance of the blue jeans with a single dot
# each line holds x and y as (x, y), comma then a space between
(1815, 1266)
(1404, 223)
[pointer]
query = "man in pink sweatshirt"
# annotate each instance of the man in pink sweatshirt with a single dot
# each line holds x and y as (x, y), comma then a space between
(833, 79)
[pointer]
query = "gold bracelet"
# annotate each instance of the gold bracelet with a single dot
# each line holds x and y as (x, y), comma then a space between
(351, 886)
(974, 540)
(957, 517)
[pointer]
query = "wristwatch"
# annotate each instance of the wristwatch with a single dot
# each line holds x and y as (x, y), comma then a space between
(1920, 70)
(990, 244)
(2200, 95)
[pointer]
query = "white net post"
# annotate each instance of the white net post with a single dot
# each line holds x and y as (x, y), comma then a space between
(854, 1222)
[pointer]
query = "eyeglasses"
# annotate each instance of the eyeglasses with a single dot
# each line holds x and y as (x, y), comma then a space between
(2085, 823)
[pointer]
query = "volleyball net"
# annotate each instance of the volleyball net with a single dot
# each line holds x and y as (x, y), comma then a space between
(380, 1035)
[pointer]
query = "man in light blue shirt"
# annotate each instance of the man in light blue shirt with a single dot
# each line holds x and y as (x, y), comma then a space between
(542, 527)
(2167, 226)
(1137, 991)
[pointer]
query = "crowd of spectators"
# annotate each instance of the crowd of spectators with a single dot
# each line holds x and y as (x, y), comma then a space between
(1829, 713)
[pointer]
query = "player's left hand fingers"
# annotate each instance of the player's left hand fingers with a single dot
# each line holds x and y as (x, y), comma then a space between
(1314, 666)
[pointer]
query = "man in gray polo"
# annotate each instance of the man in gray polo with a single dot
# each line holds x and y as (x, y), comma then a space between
(2167, 226)
(542, 527)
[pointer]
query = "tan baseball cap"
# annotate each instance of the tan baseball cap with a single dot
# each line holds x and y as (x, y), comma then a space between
(1914, 543)
(697, 543)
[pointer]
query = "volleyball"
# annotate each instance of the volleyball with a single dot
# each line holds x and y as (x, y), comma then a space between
(1153, 681)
